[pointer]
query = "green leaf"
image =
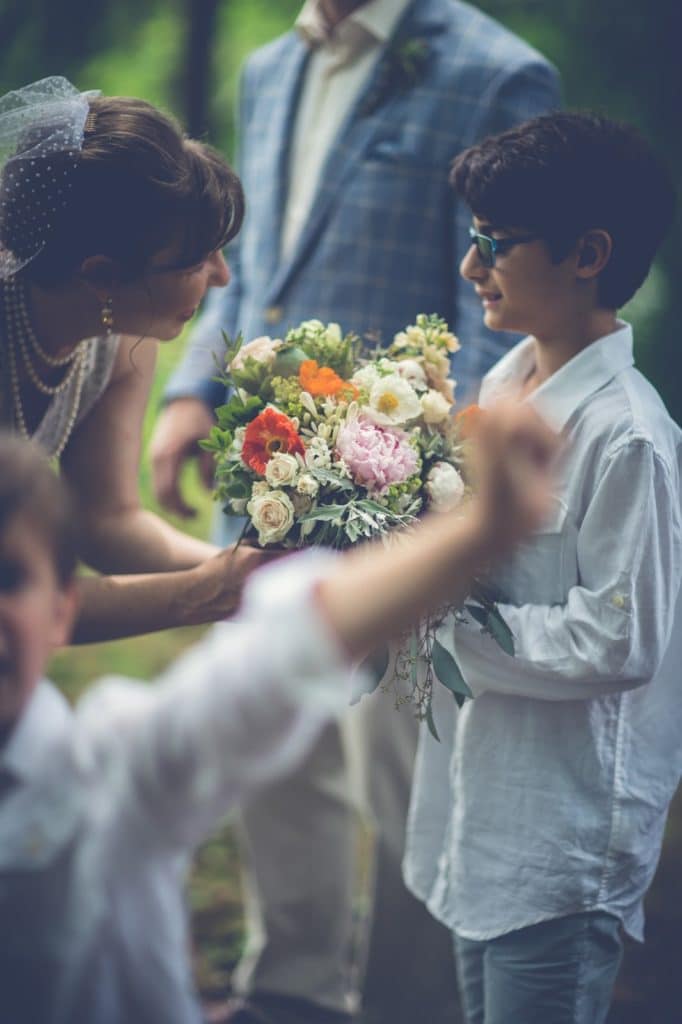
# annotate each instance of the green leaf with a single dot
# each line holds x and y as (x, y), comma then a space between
(448, 671)
(333, 480)
(431, 722)
(501, 631)
(478, 613)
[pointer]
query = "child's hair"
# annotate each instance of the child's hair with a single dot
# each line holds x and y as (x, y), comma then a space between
(30, 489)
(559, 175)
(138, 186)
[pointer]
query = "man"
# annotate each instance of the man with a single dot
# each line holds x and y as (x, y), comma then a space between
(348, 128)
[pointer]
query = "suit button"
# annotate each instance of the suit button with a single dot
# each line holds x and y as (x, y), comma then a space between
(273, 314)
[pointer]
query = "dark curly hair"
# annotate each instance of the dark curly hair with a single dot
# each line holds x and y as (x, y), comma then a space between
(562, 174)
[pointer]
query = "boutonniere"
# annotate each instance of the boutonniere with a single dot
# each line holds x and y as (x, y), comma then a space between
(401, 67)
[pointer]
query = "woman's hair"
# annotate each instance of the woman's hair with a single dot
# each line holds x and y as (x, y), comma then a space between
(137, 186)
(30, 489)
(562, 174)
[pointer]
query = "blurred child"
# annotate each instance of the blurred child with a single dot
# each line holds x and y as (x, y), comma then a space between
(542, 842)
(101, 808)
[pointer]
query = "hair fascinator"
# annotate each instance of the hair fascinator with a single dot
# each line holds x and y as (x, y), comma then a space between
(41, 135)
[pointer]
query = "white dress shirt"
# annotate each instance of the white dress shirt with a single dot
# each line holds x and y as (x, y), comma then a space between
(101, 808)
(549, 793)
(338, 69)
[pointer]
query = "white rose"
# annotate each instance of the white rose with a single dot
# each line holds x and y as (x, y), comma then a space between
(435, 407)
(392, 402)
(259, 488)
(411, 371)
(444, 486)
(262, 349)
(307, 485)
(272, 515)
(238, 506)
(282, 470)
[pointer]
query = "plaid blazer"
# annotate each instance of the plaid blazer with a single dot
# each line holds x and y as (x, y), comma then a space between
(385, 234)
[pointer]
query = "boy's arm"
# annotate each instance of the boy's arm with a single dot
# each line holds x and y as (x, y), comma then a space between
(614, 627)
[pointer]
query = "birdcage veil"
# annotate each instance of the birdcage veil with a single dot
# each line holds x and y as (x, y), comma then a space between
(41, 134)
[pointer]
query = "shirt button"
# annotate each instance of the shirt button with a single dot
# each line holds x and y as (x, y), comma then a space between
(35, 843)
(618, 601)
(273, 314)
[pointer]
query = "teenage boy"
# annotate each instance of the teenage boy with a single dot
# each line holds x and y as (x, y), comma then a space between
(100, 809)
(540, 845)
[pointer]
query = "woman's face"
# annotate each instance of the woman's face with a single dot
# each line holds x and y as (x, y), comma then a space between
(159, 304)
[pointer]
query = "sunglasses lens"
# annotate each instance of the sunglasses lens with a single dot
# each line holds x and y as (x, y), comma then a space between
(484, 247)
(485, 250)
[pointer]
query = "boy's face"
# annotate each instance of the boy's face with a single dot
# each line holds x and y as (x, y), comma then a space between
(524, 290)
(36, 613)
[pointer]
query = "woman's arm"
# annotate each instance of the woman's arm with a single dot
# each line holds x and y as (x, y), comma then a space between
(101, 465)
(178, 580)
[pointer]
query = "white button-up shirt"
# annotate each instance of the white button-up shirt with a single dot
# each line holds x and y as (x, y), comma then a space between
(549, 792)
(338, 69)
(100, 809)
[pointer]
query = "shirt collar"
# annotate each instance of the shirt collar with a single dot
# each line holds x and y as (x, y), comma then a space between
(42, 724)
(562, 393)
(377, 19)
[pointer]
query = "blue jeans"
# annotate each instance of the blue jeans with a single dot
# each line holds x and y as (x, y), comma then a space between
(557, 972)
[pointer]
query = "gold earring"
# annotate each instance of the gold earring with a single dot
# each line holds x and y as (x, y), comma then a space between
(107, 315)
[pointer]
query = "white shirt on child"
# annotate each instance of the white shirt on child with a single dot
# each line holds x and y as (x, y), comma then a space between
(100, 809)
(549, 791)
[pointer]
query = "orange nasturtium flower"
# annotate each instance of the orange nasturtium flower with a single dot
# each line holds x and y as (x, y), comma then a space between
(468, 421)
(266, 435)
(322, 381)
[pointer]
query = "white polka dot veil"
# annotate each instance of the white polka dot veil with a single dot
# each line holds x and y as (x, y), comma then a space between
(41, 135)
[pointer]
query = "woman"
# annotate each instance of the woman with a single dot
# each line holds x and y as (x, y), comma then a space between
(112, 226)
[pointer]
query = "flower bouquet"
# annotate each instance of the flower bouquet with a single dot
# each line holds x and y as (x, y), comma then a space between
(324, 442)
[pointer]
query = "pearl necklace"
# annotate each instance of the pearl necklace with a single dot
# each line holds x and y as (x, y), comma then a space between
(19, 328)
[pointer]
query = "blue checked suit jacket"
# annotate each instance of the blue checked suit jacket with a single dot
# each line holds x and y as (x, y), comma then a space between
(386, 233)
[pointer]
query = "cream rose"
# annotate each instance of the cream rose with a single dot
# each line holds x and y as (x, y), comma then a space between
(435, 408)
(307, 485)
(413, 372)
(444, 486)
(262, 349)
(282, 470)
(272, 514)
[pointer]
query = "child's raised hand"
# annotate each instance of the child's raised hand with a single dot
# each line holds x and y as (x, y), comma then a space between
(514, 450)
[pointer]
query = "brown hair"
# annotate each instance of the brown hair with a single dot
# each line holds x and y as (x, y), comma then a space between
(29, 488)
(138, 186)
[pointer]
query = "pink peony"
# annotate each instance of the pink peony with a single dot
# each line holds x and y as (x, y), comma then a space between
(376, 456)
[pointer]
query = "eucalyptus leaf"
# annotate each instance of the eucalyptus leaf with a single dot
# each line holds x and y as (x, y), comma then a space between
(431, 722)
(448, 671)
(478, 613)
(501, 631)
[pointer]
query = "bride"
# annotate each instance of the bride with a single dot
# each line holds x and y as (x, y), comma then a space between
(112, 225)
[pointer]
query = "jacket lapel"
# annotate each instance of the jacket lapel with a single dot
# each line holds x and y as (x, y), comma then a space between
(422, 19)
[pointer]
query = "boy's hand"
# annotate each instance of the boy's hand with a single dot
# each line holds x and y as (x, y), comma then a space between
(514, 451)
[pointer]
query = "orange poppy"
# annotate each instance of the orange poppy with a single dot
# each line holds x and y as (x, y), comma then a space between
(266, 435)
(322, 381)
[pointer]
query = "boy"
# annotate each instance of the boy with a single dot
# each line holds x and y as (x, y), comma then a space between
(565, 763)
(99, 810)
